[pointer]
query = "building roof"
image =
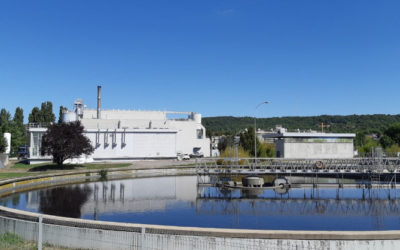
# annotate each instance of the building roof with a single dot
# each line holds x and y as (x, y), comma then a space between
(309, 135)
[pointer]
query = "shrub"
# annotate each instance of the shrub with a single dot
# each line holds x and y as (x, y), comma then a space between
(103, 174)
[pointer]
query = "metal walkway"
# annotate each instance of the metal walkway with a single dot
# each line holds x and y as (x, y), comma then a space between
(355, 166)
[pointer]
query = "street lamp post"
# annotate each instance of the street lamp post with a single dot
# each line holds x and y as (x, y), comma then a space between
(255, 131)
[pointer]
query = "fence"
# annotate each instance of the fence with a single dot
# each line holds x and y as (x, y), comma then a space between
(301, 166)
(140, 239)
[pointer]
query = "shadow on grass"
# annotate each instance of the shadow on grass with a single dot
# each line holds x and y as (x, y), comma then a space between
(54, 167)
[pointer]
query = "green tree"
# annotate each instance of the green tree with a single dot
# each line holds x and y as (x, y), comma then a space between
(17, 129)
(386, 141)
(18, 118)
(368, 147)
(337, 124)
(3, 143)
(360, 139)
(64, 141)
(225, 142)
(5, 120)
(60, 113)
(393, 132)
(35, 116)
(46, 112)
(247, 140)
(44, 115)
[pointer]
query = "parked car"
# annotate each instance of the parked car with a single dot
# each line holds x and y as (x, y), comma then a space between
(197, 155)
(183, 157)
(23, 152)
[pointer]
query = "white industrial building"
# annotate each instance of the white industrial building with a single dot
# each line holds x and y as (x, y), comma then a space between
(133, 134)
(312, 145)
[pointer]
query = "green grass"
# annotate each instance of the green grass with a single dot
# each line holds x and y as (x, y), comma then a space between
(14, 242)
(20, 165)
(106, 165)
(10, 239)
(29, 170)
(53, 166)
(14, 175)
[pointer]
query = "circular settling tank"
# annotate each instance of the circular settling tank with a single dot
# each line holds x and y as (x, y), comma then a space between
(179, 201)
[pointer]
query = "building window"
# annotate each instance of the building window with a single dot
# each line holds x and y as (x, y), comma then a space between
(199, 133)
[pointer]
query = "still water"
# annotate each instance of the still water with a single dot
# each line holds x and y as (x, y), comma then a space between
(178, 201)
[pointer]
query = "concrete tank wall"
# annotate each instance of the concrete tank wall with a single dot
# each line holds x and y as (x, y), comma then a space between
(78, 233)
(142, 237)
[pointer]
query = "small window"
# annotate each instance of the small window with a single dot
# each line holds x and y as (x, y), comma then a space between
(199, 133)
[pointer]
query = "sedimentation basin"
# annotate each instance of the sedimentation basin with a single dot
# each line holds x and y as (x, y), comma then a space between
(79, 233)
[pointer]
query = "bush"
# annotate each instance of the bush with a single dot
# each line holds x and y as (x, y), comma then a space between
(103, 174)
(368, 146)
(230, 152)
(386, 141)
(393, 150)
(265, 150)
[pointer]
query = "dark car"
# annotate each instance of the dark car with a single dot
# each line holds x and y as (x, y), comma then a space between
(196, 155)
(23, 152)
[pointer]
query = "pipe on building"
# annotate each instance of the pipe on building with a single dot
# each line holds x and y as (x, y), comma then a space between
(98, 102)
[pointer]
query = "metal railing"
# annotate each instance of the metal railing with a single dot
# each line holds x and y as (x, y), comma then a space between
(299, 166)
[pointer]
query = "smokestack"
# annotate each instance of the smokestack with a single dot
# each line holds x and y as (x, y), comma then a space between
(98, 102)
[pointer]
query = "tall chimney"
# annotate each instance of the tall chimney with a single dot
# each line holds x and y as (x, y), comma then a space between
(98, 102)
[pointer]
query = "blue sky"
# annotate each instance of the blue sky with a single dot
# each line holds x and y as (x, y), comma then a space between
(212, 57)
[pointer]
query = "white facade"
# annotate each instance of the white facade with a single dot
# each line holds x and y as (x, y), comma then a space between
(7, 137)
(134, 134)
(137, 144)
(312, 145)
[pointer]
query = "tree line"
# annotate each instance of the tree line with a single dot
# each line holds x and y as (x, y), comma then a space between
(371, 131)
(244, 148)
(16, 127)
(368, 124)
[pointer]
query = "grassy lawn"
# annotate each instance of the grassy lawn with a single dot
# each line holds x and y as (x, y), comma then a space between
(105, 165)
(53, 166)
(21, 166)
(13, 241)
(22, 170)
(4, 175)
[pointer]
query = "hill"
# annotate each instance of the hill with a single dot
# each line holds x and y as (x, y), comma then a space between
(376, 123)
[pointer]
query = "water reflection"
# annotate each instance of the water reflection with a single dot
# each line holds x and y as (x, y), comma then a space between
(180, 201)
(64, 201)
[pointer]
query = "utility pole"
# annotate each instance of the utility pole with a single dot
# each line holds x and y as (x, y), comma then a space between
(255, 130)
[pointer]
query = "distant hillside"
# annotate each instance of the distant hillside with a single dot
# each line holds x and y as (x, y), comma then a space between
(351, 123)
